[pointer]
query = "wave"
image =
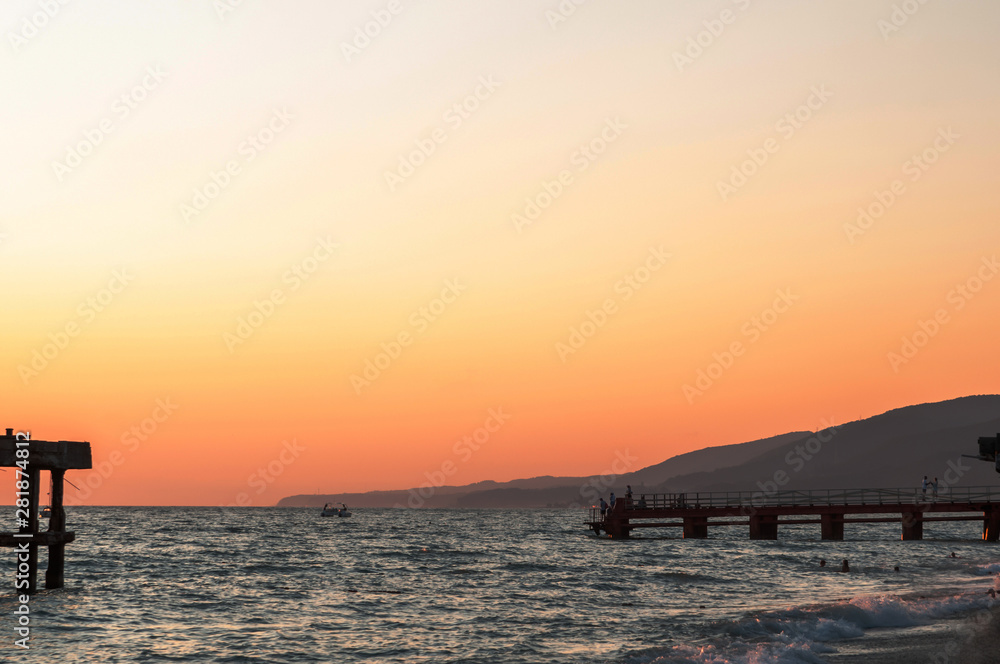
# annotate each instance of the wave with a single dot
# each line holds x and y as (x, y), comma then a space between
(801, 635)
(986, 570)
(690, 577)
(751, 654)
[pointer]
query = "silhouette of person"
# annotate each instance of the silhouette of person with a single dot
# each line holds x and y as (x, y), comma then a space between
(844, 567)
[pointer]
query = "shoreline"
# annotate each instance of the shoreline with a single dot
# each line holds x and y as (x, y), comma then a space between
(970, 638)
(983, 639)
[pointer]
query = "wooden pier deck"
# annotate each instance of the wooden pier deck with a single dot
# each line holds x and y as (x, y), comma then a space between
(830, 509)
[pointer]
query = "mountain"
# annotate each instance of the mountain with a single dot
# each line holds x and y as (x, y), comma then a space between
(710, 458)
(894, 449)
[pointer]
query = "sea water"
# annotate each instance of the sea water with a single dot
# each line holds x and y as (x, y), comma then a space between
(275, 585)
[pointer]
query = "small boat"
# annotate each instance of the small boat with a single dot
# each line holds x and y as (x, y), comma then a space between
(45, 513)
(329, 510)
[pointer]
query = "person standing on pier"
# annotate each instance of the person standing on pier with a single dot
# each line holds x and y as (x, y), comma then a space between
(923, 487)
(934, 486)
(612, 501)
(628, 496)
(604, 509)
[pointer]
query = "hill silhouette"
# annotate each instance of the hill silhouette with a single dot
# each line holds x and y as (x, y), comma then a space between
(894, 449)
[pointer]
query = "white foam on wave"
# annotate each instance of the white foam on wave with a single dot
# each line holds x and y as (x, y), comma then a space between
(802, 635)
(760, 653)
(986, 570)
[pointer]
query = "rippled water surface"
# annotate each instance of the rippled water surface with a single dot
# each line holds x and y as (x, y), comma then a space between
(284, 585)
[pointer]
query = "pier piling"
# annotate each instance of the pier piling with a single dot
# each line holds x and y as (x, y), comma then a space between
(695, 527)
(913, 525)
(764, 527)
(991, 525)
(57, 524)
(832, 526)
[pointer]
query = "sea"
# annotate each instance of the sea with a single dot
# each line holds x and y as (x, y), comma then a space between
(276, 585)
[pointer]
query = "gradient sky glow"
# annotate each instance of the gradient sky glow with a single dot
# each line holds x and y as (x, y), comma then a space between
(323, 178)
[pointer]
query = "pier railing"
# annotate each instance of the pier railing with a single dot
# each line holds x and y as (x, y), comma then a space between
(907, 496)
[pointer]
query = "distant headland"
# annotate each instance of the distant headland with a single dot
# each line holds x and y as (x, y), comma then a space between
(894, 449)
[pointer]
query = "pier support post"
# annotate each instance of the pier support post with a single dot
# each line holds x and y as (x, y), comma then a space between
(764, 527)
(991, 525)
(617, 528)
(57, 523)
(695, 527)
(832, 526)
(913, 525)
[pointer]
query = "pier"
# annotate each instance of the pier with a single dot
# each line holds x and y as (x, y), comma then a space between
(832, 510)
(29, 458)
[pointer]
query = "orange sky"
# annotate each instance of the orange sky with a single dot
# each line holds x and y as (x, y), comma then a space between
(219, 221)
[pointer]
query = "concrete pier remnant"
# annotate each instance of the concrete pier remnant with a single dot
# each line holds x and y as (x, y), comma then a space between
(29, 458)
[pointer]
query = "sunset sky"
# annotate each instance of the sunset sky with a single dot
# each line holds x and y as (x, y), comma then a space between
(236, 235)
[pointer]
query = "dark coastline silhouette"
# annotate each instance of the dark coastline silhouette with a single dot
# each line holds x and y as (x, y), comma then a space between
(891, 450)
